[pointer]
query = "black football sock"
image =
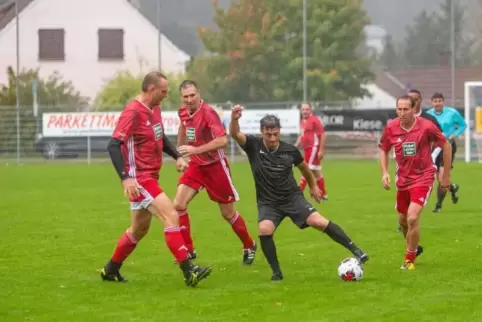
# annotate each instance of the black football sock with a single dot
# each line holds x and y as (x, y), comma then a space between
(441, 193)
(337, 234)
(269, 251)
(112, 267)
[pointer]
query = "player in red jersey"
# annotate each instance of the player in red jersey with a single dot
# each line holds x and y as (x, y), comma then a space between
(202, 137)
(136, 151)
(312, 139)
(412, 139)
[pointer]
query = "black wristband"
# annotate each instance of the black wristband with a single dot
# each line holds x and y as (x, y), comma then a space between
(169, 149)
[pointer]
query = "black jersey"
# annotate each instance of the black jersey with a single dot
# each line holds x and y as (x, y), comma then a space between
(273, 170)
(431, 118)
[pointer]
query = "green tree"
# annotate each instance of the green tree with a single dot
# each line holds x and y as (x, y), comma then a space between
(124, 86)
(389, 58)
(255, 54)
(53, 94)
(428, 39)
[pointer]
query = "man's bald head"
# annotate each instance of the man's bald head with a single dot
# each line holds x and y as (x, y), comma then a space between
(152, 78)
(154, 88)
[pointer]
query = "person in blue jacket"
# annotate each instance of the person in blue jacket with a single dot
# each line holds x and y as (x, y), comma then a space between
(453, 125)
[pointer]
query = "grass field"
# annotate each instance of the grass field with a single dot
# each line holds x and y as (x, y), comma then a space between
(59, 224)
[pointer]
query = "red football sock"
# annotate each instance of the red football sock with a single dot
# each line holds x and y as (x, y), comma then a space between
(239, 227)
(321, 185)
(175, 243)
(303, 183)
(410, 255)
(185, 225)
(125, 246)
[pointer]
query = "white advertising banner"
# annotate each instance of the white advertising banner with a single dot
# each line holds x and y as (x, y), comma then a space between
(98, 124)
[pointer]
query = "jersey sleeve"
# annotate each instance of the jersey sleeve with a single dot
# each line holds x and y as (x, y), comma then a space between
(318, 126)
(435, 135)
(250, 144)
(125, 125)
(215, 124)
(384, 143)
(297, 157)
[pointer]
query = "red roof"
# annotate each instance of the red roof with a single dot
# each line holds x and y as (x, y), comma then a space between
(428, 81)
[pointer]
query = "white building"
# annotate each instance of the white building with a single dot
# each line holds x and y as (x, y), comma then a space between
(85, 41)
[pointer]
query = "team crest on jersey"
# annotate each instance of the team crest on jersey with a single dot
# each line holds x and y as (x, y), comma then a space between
(158, 131)
(409, 149)
(191, 134)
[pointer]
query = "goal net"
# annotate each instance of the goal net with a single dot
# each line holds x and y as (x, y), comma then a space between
(473, 118)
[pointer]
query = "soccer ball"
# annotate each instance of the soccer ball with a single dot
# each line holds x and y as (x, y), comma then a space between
(350, 269)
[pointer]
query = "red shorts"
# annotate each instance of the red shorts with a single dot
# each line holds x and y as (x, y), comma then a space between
(311, 158)
(214, 177)
(149, 189)
(418, 195)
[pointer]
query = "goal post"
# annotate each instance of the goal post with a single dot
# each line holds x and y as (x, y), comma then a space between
(473, 119)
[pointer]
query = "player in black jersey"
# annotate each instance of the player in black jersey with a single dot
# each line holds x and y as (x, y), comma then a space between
(277, 192)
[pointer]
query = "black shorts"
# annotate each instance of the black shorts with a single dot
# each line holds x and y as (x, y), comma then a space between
(298, 210)
(439, 161)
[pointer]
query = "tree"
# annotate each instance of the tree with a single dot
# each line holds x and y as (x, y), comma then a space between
(389, 58)
(256, 51)
(124, 86)
(428, 39)
(53, 94)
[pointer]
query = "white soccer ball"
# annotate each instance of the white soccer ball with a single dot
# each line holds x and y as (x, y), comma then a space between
(350, 269)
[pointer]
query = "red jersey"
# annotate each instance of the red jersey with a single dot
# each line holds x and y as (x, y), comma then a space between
(311, 129)
(142, 132)
(413, 150)
(200, 128)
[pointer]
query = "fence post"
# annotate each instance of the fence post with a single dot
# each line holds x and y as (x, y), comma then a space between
(88, 150)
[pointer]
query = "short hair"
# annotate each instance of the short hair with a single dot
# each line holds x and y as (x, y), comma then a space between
(407, 98)
(415, 91)
(437, 95)
(270, 122)
(186, 83)
(152, 78)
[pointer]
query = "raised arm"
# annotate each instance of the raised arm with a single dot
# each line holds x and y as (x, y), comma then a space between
(234, 130)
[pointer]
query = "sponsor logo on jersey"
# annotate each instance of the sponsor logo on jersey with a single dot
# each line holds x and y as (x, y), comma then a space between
(409, 149)
(191, 134)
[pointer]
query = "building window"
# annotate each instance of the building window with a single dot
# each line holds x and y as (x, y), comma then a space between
(51, 44)
(111, 44)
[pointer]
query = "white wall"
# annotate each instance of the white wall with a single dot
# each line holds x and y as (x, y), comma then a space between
(81, 20)
(379, 100)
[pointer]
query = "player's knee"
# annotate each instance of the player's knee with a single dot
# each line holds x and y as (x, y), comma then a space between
(412, 220)
(179, 205)
(402, 220)
(171, 219)
(317, 221)
(266, 228)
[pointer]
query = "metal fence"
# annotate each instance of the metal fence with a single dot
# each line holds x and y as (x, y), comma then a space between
(33, 145)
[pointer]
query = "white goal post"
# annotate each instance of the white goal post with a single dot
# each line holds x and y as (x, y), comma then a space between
(473, 119)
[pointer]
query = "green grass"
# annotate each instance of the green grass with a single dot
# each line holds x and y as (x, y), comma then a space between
(60, 222)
